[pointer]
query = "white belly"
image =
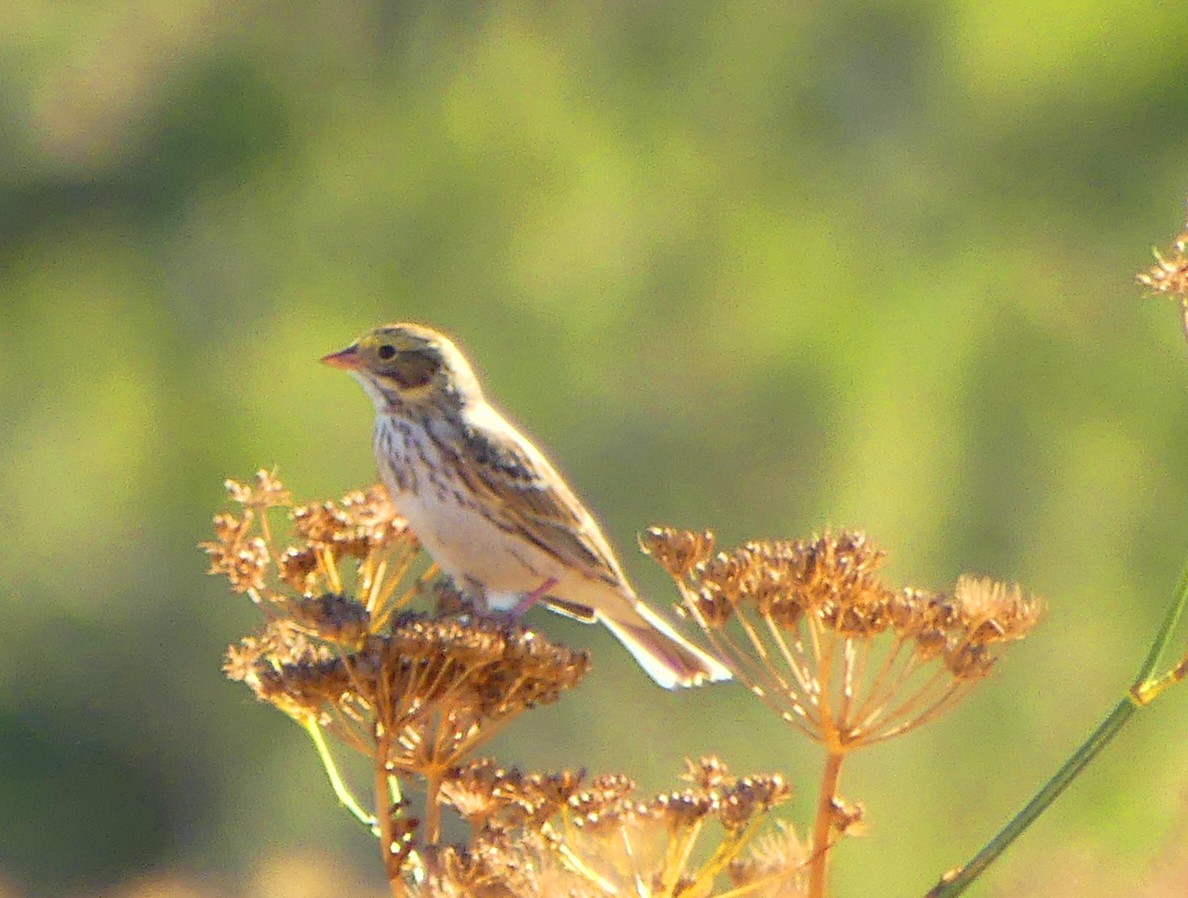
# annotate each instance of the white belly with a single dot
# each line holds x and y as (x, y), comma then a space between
(466, 544)
(470, 548)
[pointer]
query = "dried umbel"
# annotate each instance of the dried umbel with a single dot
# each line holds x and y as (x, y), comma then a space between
(340, 653)
(357, 545)
(558, 836)
(494, 800)
(810, 627)
(1169, 275)
(433, 688)
(680, 842)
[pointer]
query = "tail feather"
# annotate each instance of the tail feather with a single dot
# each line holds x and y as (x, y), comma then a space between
(662, 652)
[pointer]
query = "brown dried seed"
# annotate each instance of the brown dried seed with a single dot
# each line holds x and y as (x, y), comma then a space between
(677, 551)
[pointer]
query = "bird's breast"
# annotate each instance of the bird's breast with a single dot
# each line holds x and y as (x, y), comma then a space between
(461, 534)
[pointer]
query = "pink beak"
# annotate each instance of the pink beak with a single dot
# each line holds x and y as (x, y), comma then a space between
(348, 359)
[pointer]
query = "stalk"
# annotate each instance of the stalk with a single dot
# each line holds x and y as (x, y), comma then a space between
(826, 802)
(1146, 688)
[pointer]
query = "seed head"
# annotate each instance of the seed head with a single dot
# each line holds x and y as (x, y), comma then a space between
(647, 847)
(358, 524)
(811, 627)
(491, 798)
(1169, 276)
(774, 866)
(264, 491)
(677, 551)
(236, 554)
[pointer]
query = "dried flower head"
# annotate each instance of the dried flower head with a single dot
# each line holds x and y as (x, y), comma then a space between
(362, 528)
(646, 848)
(356, 525)
(772, 868)
(812, 629)
(1169, 276)
(492, 799)
(440, 687)
(536, 835)
(278, 643)
(677, 551)
(340, 653)
(265, 491)
(420, 699)
(810, 626)
(528, 867)
(236, 554)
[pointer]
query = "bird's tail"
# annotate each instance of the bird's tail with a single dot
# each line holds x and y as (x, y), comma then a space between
(667, 657)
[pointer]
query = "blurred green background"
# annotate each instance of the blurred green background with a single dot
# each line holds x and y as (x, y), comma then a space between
(760, 268)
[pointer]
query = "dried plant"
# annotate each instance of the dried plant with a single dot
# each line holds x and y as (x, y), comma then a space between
(1169, 276)
(415, 694)
(418, 694)
(808, 626)
(811, 628)
(555, 835)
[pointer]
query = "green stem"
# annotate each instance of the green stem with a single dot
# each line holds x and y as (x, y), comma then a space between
(336, 782)
(1170, 621)
(1145, 690)
(956, 883)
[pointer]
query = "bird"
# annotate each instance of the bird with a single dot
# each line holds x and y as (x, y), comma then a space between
(489, 507)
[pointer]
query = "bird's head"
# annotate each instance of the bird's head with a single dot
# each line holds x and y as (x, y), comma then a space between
(408, 365)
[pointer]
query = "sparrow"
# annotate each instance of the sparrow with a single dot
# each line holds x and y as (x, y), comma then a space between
(490, 508)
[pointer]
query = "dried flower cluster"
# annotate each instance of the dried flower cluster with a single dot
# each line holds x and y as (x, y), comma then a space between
(1169, 276)
(438, 687)
(812, 629)
(544, 836)
(362, 527)
(341, 653)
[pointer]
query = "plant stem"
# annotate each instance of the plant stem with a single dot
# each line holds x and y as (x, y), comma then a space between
(1147, 687)
(383, 813)
(1170, 621)
(957, 882)
(336, 781)
(432, 808)
(826, 802)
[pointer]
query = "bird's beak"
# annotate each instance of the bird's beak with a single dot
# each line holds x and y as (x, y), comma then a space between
(348, 359)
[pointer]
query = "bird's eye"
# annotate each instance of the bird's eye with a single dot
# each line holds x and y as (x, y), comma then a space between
(386, 351)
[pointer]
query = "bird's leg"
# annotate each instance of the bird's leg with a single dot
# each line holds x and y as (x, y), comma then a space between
(532, 598)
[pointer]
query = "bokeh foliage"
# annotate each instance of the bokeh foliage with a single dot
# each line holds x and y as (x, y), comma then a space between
(758, 269)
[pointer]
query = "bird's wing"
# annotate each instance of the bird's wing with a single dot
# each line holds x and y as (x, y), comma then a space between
(526, 495)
